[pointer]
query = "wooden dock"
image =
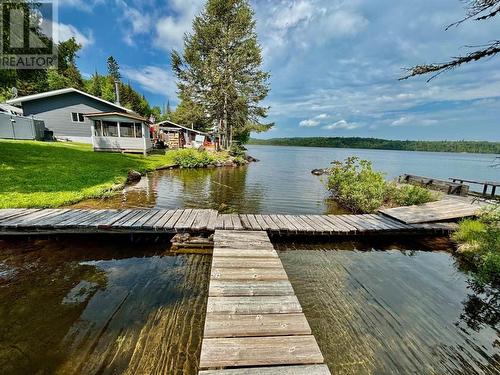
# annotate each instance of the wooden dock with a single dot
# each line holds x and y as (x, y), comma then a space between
(445, 209)
(147, 221)
(254, 322)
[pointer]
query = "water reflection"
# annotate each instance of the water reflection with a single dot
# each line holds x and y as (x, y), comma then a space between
(85, 307)
(399, 311)
(282, 181)
(223, 189)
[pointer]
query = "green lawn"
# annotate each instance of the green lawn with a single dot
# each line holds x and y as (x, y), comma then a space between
(42, 174)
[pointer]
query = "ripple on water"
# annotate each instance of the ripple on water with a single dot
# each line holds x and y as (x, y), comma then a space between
(391, 312)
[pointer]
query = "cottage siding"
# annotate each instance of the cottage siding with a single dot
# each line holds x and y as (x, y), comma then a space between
(56, 113)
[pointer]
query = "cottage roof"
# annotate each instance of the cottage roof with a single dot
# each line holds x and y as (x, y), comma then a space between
(68, 90)
(120, 114)
(168, 124)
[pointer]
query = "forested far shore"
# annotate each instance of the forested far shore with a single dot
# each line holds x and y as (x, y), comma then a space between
(384, 144)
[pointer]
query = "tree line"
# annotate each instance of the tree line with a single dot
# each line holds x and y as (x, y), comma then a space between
(384, 144)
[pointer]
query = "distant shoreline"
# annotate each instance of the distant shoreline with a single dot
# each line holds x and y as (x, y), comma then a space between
(476, 147)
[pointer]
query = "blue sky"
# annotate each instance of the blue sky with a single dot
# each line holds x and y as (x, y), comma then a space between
(334, 63)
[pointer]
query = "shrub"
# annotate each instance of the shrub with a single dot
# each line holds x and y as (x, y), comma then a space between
(479, 242)
(190, 158)
(409, 195)
(355, 185)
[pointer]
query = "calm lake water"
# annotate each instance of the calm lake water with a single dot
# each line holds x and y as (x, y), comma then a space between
(282, 181)
(104, 305)
(100, 306)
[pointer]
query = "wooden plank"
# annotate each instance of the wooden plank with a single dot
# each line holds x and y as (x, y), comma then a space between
(281, 225)
(274, 370)
(201, 221)
(109, 221)
(212, 221)
(270, 223)
(182, 223)
(248, 273)
(172, 220)
(58, 218)
(187, 222)
(163, 220)
(262, 223)
(254, 305)
(237, 224)
(248, 262)
(245, 222)
(242, 253)
(240, 288)
(47, 220)
(21, 220)
(10, 212)
(149, 224)
(140, 223)
(133, 219)
(226, 325)
(254, 223)
(348, 219)
(259, 351)
(75, 217)
(15, 214)
(341, 225)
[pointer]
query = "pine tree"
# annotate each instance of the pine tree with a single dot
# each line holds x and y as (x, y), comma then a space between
(220, 70)
(113, 68)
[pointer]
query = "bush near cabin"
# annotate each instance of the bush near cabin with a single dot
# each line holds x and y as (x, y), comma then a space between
(479, 242)
(356, 186)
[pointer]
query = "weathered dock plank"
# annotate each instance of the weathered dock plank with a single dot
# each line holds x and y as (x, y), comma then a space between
(277, 370)
(259, 351)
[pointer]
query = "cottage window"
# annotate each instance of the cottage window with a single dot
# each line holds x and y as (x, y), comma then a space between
(127, 129)
(109, 129)
(138, 130)
(77, 117)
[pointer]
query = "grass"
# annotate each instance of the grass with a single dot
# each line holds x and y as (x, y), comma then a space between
(41, 174)
(479, 242)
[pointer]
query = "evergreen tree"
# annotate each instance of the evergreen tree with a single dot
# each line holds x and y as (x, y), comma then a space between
(113, 68)
(95, 87)
(220, 70)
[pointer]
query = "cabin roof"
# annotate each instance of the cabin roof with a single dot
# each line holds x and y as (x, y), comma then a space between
(11, 109)
(167, 122)
(68, 90)
(120, 114)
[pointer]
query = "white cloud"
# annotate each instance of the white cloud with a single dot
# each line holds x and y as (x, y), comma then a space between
(85, 5)
(309, 123)
(322, 116)
(153, 79)
(136, 22)
(291, 14)
(414, 121)
(62, 32)
(342, 125)
(170, 29)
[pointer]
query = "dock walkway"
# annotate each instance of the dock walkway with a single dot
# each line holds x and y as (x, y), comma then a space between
(53, 221)
(254, 322)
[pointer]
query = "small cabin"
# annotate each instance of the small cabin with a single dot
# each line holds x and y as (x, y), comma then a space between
(120, 132)
(176, 136)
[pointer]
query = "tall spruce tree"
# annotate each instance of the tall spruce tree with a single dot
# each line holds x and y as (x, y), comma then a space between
(220, 70)
(113, 68)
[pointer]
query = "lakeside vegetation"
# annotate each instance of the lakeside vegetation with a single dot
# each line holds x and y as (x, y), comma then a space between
(384, 144)
(356, 186)
(479, 244)
(39, 174)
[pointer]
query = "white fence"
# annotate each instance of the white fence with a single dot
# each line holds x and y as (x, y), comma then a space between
(19, 127)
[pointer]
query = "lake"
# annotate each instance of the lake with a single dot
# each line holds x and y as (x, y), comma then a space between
(282, 183)
(106, 305)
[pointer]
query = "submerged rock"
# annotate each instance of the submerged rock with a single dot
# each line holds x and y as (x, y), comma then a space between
(251, 159)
